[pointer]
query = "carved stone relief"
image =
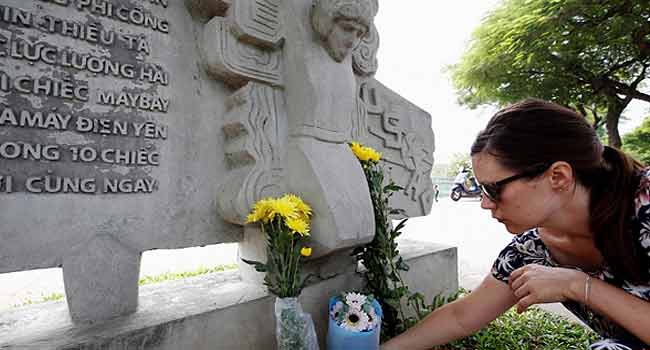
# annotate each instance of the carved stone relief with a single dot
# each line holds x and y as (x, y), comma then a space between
(236, 62)
(244, 51)
(364, 56)
(257, 22)
(206, 9)
(403, 132)
(110, 115)
(342, 24)
(318, 104)
(255, 133)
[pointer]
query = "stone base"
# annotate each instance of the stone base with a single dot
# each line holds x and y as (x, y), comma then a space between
(216, 311)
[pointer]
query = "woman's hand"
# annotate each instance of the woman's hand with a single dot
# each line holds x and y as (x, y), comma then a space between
(537, 284)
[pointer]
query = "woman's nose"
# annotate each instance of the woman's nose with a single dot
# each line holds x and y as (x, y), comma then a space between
(487, 203)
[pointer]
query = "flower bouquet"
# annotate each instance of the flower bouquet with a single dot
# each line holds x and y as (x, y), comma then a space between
(285, 223)
(354, 322)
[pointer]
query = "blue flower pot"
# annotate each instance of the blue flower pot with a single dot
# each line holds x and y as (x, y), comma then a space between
(339, 338)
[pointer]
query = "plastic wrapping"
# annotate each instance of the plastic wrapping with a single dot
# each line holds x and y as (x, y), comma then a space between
(339, 338)
(294, 329)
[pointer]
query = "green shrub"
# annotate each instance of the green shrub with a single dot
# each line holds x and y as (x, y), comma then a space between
(535, 329)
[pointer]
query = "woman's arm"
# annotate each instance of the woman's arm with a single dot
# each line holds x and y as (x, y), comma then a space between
(535, 284)
(458, 319)
(627, 310)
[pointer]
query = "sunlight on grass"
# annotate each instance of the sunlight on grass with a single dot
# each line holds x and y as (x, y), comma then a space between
(168, 276)
(171, 276)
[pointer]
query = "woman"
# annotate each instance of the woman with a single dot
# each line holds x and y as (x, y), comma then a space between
(581, 216)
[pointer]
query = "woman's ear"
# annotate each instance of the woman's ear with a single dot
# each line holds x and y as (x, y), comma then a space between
(561, 176)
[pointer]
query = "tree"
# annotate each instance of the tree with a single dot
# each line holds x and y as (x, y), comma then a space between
(439, 170)
(459, 160)
(637, 142)
(590, 55)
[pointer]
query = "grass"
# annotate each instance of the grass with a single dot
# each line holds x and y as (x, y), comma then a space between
(172, 276)
(44, 298)
(168, 276)
(535, 329)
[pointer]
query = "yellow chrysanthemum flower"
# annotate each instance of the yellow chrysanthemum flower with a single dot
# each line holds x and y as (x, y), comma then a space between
(304, 210)
(260, 211)
(356, 148)
(365, 154)
(283, 207)
(374, 155)
(251, 218)
(298, 226)
(305, 251)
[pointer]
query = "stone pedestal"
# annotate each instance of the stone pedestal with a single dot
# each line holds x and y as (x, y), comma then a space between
(101, 279)
(253, 247)
(216, 311)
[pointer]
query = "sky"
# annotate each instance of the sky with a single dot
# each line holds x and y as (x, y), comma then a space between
(418, 38)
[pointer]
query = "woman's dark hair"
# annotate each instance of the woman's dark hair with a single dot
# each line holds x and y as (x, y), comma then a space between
(534, 132)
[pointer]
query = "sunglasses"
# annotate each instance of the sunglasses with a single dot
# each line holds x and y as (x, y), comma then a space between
(493, 190)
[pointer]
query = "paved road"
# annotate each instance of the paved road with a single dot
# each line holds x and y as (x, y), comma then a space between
(463, 224)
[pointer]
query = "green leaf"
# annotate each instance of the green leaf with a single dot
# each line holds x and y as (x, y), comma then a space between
(392, 187)
(394, 303)
(637, 142)
(562, 51)
(259, 267)
(400, 225)
(401, 265)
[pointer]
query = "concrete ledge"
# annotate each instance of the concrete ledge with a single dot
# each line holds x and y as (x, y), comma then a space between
(433, 268)
(216, 311)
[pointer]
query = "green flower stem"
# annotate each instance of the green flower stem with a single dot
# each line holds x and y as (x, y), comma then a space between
(285, 260)
(282, 266)
(380, 257)
(296, 253)
(290, 267)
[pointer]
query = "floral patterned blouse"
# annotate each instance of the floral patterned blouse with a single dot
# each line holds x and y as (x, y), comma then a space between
(528, 248)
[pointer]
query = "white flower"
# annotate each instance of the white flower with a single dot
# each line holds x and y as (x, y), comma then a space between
(373, 319)
(355, 320)
(336, 309)
(355, 300)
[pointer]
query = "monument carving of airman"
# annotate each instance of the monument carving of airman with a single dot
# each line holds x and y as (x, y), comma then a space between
(133, 125)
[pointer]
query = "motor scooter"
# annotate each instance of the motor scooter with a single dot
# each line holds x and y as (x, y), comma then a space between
(460, 190)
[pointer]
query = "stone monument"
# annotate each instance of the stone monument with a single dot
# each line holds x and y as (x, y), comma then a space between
(131, 125)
